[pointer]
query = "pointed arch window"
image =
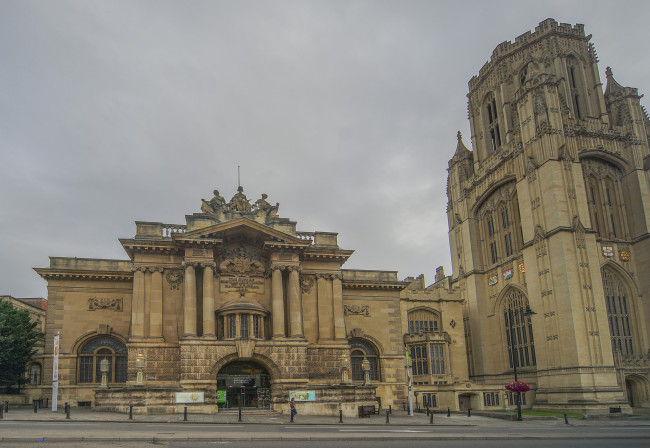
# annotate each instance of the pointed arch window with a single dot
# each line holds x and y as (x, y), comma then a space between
(519, 330)
(492, 123)
(605, 198)
(618, 313)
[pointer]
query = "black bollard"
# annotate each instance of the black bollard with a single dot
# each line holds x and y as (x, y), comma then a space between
(185, 414)
(340, 415)
(448, 412)
(47, 402)
(6, 406)
(566, 420)
(431, 418)
(240, 415)
(291, 412)
(469, 412)
(35, 404)
(387, 417)
(390, 408)
(2, 412)
(67, 412)
(130, 412)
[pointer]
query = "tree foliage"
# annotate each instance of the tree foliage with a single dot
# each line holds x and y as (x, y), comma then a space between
(17, 339)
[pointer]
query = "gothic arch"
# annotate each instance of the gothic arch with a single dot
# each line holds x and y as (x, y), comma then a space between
(615, 159)
(637, 389)
(499, 301)
(268, 363)
(514, 327)
(487, 193)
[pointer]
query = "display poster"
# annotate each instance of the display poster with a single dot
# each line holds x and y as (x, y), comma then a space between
(221, 396)
(302, 395)
(55, 373)
(189, 397)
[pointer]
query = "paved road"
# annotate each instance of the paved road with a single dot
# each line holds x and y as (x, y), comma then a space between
(50, 431)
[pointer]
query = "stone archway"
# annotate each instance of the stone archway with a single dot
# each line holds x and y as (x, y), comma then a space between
(637, 390)
(244, 383)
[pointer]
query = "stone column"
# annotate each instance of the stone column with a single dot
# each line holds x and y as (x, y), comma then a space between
(325, 317)
(208, 301)
(137, 304)
(293, 296)
(156, 313)
(337, 302)
(189, 302)
(277, 303)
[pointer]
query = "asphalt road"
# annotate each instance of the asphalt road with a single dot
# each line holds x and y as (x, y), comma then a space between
(15, 433)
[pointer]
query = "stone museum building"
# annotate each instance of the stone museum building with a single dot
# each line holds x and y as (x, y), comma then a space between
(549, 218)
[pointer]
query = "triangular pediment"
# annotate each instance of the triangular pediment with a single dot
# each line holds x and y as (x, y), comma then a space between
(236, 228)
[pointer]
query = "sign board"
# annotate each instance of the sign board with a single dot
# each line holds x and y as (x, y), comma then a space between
(221, 396)
(302, 395)
(189, 397)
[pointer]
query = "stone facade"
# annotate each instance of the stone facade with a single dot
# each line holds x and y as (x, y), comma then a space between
(551, 211)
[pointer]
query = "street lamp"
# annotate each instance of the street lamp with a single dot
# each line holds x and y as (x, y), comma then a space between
(103, 367)
(344, 363)
(139, 364)
(408, 378)
(515, 358)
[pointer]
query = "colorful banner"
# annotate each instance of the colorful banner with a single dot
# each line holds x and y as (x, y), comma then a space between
(522, 267)
(493, 280)
(189, 397)
(221, 396)
(507, 274)
(55, 373)
(302, 395)
(608, 251)
(624, 255)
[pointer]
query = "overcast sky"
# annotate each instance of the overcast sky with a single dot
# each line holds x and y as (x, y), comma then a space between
(345, 112)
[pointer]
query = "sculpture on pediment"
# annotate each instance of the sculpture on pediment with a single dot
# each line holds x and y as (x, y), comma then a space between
(240, 261)
(239, 202)
(263, 207)
(213, 205)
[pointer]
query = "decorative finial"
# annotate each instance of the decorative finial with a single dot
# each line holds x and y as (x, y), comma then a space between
(608, 72)
(459, 136)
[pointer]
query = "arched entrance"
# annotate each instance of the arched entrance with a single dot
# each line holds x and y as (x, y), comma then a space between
(243, 383)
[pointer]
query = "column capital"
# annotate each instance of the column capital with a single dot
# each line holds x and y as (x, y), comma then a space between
(328, 276)
(192, 264)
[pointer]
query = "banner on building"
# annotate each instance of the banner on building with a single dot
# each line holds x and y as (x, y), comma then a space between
(189, 397)
(302, 395)
(55, 373)
(493, 280)
(507, 274)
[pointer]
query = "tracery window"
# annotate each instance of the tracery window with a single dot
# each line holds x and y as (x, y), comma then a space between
(519, 330)
(500, 225)
(97, 349)
(618, 313)
(423, 321)
(605, 198)
(35, 374)
(362, 349)
(575, 87)
(492, 123)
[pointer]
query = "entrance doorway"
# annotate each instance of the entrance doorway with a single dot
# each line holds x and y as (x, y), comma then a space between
(245, 384)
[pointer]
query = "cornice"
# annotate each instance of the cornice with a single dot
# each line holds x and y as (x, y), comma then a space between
(314, 253)
(60, 274)
(296, 246)
(132, 246)
(360, 284)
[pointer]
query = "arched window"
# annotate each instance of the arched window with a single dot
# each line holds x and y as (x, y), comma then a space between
(94, 351)
(35, 374)
(360, 349)
(519, 330)
(618, 313)
(500, 225)
(492, 123)
(423, 321)
(605, 198)
(576, 89)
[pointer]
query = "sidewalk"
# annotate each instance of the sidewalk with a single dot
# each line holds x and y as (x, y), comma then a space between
(254, 416)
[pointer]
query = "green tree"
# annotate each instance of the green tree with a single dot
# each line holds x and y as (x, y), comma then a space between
(17, 340)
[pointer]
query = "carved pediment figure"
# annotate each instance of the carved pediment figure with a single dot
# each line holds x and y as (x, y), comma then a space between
(214, 204)
(239, 202)
(263, 207)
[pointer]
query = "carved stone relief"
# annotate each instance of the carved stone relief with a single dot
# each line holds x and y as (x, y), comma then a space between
(174, 277)
(104, 303)
(363, 310)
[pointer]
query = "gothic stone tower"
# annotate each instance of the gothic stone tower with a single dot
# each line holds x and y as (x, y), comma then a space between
(551, 211)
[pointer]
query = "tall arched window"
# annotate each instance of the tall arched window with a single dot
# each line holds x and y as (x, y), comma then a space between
(605, 198)
(500, 225)
(360, 349)
(519, 330)
(94, 351)
(492, 123)
(618, 313)
(35, 374)
(576, 90)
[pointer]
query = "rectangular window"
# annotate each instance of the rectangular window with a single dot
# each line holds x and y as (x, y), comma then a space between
(243, 331)
(256, 326)
(232, 326)
(85, 369)
(411, 328)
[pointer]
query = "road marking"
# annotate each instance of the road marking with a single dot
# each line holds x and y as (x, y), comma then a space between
(380, 430)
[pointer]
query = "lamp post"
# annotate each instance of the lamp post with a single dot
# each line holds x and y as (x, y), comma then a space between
(365, 366)
(103, 367)
(515, 358)
(343, 363)
(139, 364)
(408, 377)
